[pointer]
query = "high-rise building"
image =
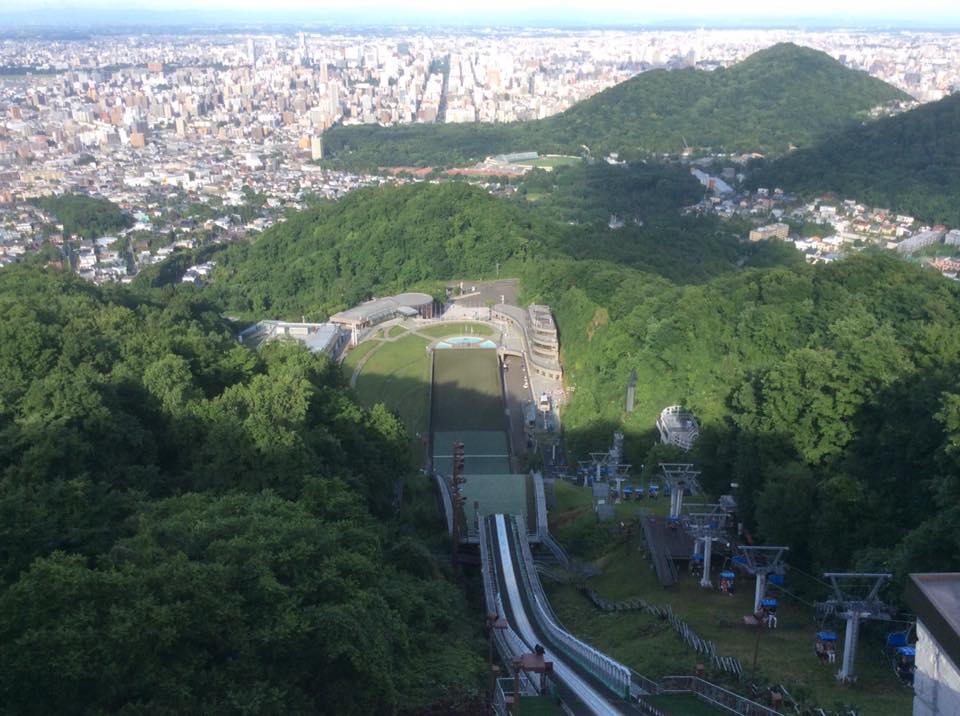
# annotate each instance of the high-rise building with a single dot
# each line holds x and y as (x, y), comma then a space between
(251, 52)
(316, 148)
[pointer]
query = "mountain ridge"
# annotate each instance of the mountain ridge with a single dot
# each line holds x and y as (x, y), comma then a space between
(907, 162)
(782, 96)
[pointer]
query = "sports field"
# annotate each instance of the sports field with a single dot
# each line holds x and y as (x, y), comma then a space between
(398, 375)
(556, 160)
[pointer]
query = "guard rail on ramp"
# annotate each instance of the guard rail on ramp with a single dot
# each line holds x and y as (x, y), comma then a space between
(588, 681)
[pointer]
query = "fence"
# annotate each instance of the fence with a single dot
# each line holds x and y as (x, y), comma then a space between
(611, 673)
(705, 647)
(716, 695)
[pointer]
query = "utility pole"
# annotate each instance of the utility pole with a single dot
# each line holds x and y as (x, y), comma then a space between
(847, 605)
(456, 480)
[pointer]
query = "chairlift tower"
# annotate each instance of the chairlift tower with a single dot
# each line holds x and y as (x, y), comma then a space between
(679, 476)
(607, 465)
(762, 561)
(705, 528)
(854, 609)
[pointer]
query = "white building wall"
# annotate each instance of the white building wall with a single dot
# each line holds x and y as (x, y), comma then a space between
(936, 682)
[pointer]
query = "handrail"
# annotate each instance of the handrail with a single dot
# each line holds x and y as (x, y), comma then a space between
(447, 500)
(557, 549)
(610, 672)
(649, 686)
(717, 695)
(541, 501)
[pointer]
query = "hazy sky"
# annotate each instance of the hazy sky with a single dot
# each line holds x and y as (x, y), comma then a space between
(928, 13)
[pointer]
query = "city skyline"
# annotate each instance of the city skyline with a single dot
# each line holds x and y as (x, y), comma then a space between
(931, 14)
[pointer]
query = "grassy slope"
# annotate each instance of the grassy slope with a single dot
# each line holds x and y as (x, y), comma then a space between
(398, 372)
(397, 375)
(786, 653)
(355, 355)
(466, 390)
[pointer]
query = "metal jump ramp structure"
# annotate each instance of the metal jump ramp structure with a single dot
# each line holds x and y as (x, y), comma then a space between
(855, 599)
(585, 679)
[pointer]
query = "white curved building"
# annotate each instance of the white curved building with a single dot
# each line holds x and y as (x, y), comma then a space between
(678, 427)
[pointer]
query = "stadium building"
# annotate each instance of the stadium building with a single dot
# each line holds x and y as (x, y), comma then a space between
(378, 310)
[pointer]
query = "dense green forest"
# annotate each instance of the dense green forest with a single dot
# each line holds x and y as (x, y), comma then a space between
(378, 241)
(190, 527)
(828, 393)
(777, 98)
(86, 216)
(907, 162)
(590, 193)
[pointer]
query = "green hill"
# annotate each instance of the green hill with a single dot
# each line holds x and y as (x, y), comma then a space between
(836, 384)
(908, 162)
(379, 241)
(782, 96)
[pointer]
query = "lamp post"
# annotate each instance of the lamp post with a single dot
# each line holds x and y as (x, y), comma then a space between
(494, 622)
(456, 480)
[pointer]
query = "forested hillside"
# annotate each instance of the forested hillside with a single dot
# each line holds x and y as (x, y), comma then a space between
(86, 216)
(777, 98)
(828, 393)
(190, 527)
(373, 242)
(378, 241)
(907, 163)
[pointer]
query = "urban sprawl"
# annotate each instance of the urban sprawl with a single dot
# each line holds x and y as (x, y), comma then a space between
(213, 138)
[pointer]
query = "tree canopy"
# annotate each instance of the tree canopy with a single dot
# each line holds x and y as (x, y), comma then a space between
(191, 527)
(907, 163)
(86, 216)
